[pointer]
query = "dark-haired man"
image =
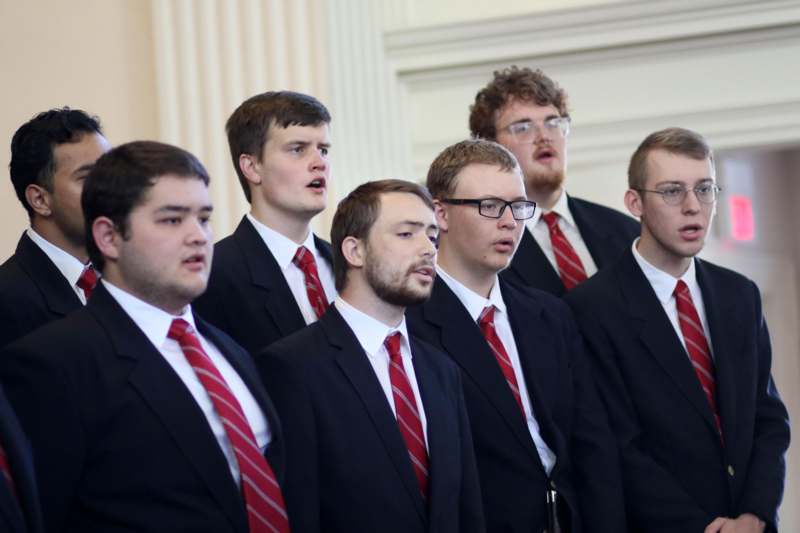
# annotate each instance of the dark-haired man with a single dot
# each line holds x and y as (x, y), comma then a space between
(273, 275)
(376, 431)
(47, 277)
(526, 112)
(142, 417)
(538, 428)
(683, 358)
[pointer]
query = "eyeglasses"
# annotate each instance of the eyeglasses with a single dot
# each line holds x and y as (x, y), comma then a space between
(495, 207)
(706, 193)
(525, 131)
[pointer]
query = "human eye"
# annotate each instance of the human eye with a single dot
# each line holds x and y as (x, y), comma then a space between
(324, 150)
(491, 206)
(704, 188)
(171, 220)
(674, 191)
(519, 128)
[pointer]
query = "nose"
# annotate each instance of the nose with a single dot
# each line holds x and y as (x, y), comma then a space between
(199, 232)
(691, 204)
(319, 161)
(507, 219)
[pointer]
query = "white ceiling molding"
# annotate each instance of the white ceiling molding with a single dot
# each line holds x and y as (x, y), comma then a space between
(580, 34)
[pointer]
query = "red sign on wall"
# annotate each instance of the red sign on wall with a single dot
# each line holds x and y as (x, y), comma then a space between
(743, 226)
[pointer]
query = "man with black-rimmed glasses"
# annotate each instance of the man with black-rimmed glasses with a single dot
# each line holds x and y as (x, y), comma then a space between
(526, 111)
(544, 450)
(682, 358)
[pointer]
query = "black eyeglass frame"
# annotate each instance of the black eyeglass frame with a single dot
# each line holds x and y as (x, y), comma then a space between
(479, 203)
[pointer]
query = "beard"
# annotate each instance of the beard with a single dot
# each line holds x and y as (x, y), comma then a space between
(392, 286)
(544, 182)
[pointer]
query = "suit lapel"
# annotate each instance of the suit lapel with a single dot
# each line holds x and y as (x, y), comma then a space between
(536, 350)
(658, 335)
(267, 278)
(353, 362)
(462, 339)
(245, 368)
(532, 266)
(726, 339)
(55, 289)
(167, 397)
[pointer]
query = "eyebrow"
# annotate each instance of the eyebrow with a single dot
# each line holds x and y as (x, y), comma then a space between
(307, 143)
(182, 209)
(83, 168)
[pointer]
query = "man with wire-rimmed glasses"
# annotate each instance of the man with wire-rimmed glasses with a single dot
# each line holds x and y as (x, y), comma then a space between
(545, 453)
(526, 112)
(682, 358)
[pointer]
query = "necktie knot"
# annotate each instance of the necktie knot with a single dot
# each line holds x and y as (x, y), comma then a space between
(87, 280)
(551, 219)
(303, 258)
(178, 329)
(487, 317)
(392, 344)
(680, 288)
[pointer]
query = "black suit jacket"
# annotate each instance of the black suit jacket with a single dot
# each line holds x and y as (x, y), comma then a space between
(564, 400)
(678, 475)
(120, 444)
(20, 514)
(33, 292)
(348, 467)
(247, 296)
(606, 232)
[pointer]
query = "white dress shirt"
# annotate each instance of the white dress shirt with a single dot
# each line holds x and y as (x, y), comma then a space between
(371, 333)
(283, 250)
(538, 228)
(67, 264)
(155, 324)
(475, 304)
(664, 285)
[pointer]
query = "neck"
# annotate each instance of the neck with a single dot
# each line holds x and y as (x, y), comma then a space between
(157, 299)
(477, 280)
(545, 199)
(672, 264)
(290, 225)
(53, 235)
(365, 300)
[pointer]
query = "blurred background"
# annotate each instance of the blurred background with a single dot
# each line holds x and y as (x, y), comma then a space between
(399, 75)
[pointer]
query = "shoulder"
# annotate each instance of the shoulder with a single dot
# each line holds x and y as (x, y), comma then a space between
(14, 279)
(301, 348)
(607, 214)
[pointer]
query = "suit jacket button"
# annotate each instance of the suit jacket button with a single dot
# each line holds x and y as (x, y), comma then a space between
(553, 485)
(731, 471)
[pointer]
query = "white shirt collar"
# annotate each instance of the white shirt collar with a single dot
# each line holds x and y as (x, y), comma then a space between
(663, 283)
(282, 248)
(370, 331)
(474, 302)
(66, 263)
(561, 208)
(153, 322)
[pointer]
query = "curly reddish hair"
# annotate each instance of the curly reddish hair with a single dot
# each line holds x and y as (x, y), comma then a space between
(513, 83)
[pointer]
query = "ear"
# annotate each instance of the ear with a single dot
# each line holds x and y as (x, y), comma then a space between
(39, 199)
(440, 211)
(106, 237)
(248, 164)
(633, 201)
(354, 252)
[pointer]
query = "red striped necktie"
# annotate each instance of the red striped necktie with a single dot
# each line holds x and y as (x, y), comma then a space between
(408, 419)
(570, 268)
(486, 323)
(305, 261)
(266, 511)
(697, 346)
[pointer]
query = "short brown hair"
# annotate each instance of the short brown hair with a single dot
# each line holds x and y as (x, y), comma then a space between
(513, 83)
(358, 211)
(452, 160)
(248, 126)
(673, 140)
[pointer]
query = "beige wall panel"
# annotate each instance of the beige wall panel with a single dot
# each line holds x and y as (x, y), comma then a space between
(90, 54)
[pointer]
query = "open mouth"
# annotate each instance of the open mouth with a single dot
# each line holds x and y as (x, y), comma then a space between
(504, 245)
(195, 261)
(317, 184)
(425, 271)
(691, 232)
(545, 155)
